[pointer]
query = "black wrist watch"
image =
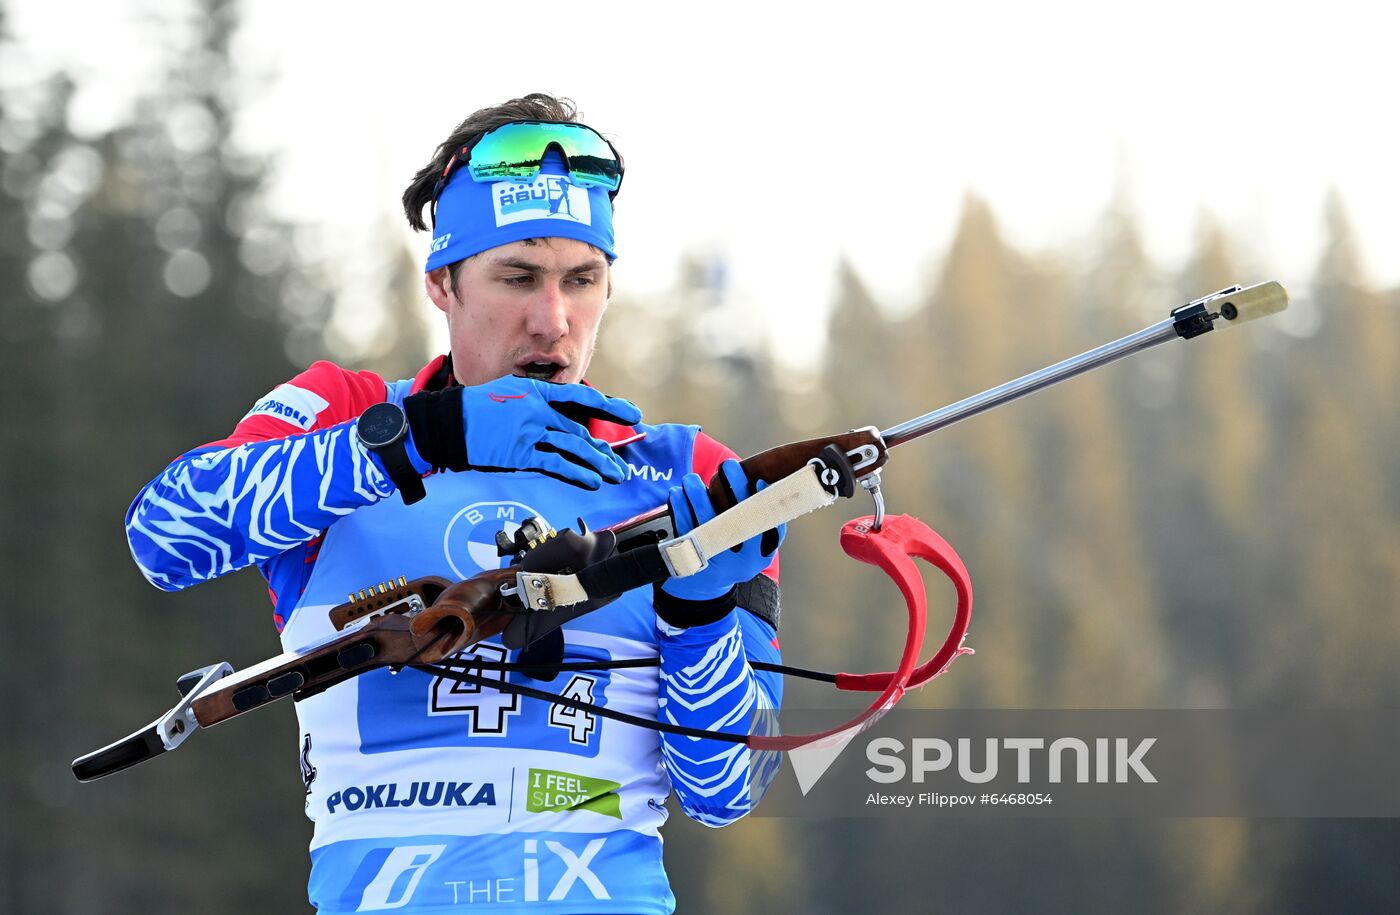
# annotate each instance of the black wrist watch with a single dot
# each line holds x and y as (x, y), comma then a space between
(382, 429)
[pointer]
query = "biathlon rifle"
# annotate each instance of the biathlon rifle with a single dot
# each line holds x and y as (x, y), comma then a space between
(558, 576)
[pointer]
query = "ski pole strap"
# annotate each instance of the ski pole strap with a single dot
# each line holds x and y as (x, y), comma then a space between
(893, 549)
(791, 497)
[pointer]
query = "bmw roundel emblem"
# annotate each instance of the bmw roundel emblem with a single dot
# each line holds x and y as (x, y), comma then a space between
(470, 540)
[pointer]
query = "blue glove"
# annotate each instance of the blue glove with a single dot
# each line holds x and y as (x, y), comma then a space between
(691, 507)
(519, 424)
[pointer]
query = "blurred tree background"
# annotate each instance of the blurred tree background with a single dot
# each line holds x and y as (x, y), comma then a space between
(1207, 526)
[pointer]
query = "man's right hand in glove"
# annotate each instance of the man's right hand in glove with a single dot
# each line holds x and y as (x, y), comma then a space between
(516, 423)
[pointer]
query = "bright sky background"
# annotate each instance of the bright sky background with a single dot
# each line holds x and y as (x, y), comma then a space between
(782, 135)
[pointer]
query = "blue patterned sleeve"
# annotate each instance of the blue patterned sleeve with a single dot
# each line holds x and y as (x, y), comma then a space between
(217, 510)
(706, 682)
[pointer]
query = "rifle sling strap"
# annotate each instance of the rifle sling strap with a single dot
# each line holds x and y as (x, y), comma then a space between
(789, 498)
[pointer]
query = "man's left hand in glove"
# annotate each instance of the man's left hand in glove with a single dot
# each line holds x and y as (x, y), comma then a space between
(709, 594)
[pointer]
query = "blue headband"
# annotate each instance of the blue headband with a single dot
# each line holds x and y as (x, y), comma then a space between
(475, 216)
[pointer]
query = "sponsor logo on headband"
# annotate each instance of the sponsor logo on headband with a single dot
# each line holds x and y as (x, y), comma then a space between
(547, 197)
(441, 241)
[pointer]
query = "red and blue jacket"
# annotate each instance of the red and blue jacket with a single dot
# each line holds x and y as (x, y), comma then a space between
(428, 794)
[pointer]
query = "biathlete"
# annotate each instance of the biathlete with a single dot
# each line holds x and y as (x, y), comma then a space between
(428, 794)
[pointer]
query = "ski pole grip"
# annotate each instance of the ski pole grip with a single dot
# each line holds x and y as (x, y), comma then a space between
(1256, 301)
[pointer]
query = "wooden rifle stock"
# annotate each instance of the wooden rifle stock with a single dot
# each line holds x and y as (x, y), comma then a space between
(444, 619)
(864, 448)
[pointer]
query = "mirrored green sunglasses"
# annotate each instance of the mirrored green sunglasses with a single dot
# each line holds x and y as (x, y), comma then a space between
(515, 152)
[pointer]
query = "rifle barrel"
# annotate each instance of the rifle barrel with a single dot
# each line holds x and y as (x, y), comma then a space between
(1236, 305)
(942, 418)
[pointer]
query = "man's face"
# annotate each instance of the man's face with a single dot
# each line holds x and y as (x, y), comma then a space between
(529, 308)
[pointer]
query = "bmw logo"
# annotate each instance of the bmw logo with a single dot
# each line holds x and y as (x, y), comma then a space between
(470, 540)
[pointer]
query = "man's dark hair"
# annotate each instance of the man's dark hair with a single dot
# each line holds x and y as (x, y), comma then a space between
(534, 107)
